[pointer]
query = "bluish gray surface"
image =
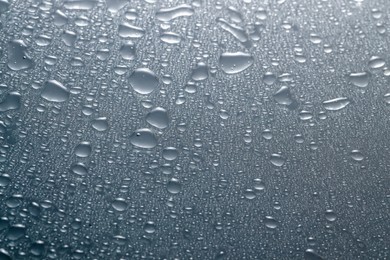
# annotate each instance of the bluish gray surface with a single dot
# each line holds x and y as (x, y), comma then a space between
(195, 129)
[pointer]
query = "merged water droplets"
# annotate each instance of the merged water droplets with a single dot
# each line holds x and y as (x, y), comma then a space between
(143, 138)
(144, 81)
(235, 62)
(17, 56)
(55, 91)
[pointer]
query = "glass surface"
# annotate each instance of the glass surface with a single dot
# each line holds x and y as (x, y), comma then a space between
(194, 129)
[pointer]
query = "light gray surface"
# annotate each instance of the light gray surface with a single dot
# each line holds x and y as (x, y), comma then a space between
(194, 130)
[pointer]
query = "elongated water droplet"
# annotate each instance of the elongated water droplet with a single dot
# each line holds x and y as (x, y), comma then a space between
(336, 103)
(167, 14)
(54, 91)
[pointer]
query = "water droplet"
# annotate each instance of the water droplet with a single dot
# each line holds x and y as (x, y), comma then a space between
(100, 124)
(127, 30)
(127, 51)
(119, 204)
(330, 215)
(83, 149)
(269, 78)
(170, 153)
(336, 103)
(310, 254)
(284, 97)
(235, 62)
(79, 4)
(249, 194)
(357, 155)
(143, 138)
(144, 81)
(174, 186)
(201, 72)
(114, 6)
(376, 62)
(16, 232)
(69, 38)
(54, 91)
(359, 79)
(277, 160)
(4, 6)
(4, 255)
(236, 31)
(170, 38)
(167, 14)
(11, 101)
(270, 222)
(79, 169)
(59, 18)
(158, 117)
(150, 227)
(17, 56)
(386, 98)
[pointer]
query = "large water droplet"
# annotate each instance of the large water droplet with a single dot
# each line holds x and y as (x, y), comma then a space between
(277, 160)
(158, 117)
(170, 153)
(201, 72)
(143, 138)
(174, 186)
(17, 56)
(11, 101)
(114, 6)
(79, 4)
(79, 169)
(83, 149)
(144, 81)
(330, 215)
(270, 222)
(359, 79)
(376, 62)
(284, 97)
(54, 91)
(235, 62)
(16, 232)
(336, 103)
(357, 155)
(100, 124)
(119, 204)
